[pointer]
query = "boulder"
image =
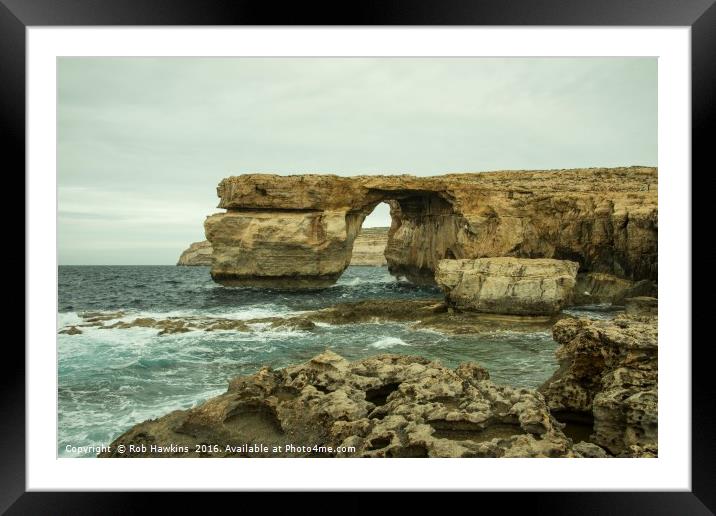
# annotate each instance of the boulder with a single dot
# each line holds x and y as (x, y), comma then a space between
(518, 286)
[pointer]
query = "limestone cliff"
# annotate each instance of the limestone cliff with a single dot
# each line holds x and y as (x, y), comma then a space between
(299, 231)
(369, 247)
(198, 253)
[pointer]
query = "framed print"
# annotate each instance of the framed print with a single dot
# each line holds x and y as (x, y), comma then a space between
(300, 257)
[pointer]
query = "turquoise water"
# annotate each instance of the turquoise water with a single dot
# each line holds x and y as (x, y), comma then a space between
(111, 379)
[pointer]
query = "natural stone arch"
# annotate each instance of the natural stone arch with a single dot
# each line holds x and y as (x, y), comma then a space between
(298, 231)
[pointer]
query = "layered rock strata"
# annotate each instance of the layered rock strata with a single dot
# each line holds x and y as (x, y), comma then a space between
(299, 231)
(518, 286)
(382, 406)
(369, 247)
(368, 250)
(197, 254)
(608, 376)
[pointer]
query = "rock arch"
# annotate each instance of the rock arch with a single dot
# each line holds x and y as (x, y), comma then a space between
(298, 231)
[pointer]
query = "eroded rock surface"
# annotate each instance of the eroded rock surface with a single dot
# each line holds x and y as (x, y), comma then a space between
(419, 313)
(382, 406)
(299, 231)
(519, 286)
(609, 371)
(197, 254)
(600, 288)
(368, 250)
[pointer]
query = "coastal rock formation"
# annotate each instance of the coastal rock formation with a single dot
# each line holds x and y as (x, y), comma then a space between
(382, 406)
(369, 247)
(519, 286)
(608, 374)
(598, 288)
(299, 231)
(198, 253)
(417, 313)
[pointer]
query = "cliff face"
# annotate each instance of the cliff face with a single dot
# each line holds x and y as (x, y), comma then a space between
(299, 231)
(369, 247)
(198, 253)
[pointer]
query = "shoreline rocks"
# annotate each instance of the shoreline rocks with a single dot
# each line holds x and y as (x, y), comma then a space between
(382, 406)
(504, 285)
(299, 231)
(609, 373)
(419, 313)
(599, 288)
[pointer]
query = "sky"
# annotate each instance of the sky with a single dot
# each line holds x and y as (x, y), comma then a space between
(143, 142)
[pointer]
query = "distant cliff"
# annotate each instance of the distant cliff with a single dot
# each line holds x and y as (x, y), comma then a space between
(198, 253)
(368, 249)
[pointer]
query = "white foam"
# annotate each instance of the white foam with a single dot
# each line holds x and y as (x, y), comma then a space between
(388, 342)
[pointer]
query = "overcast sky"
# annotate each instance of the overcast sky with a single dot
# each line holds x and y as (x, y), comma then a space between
(142, 143)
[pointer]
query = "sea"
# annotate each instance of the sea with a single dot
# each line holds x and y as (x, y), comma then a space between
(111, 379)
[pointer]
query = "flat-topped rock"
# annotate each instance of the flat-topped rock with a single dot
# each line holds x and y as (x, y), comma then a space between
(505, 285)
(300, 230)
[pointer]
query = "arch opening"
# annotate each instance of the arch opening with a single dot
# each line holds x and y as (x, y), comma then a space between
(422, 228)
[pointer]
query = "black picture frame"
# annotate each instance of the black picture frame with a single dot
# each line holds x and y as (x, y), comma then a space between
(700, 15)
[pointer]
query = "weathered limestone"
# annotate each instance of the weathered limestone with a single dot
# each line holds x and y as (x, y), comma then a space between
(369, 247)
(608, 373)
(298, 231)
(368, 250)
(518, 286)
(198, 254)
(382, 406)
(642, 306)
(417, 313)
(599, 288)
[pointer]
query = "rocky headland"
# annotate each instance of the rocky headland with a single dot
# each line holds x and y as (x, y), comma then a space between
(299, 231)
(197, 254)
(508, 249)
